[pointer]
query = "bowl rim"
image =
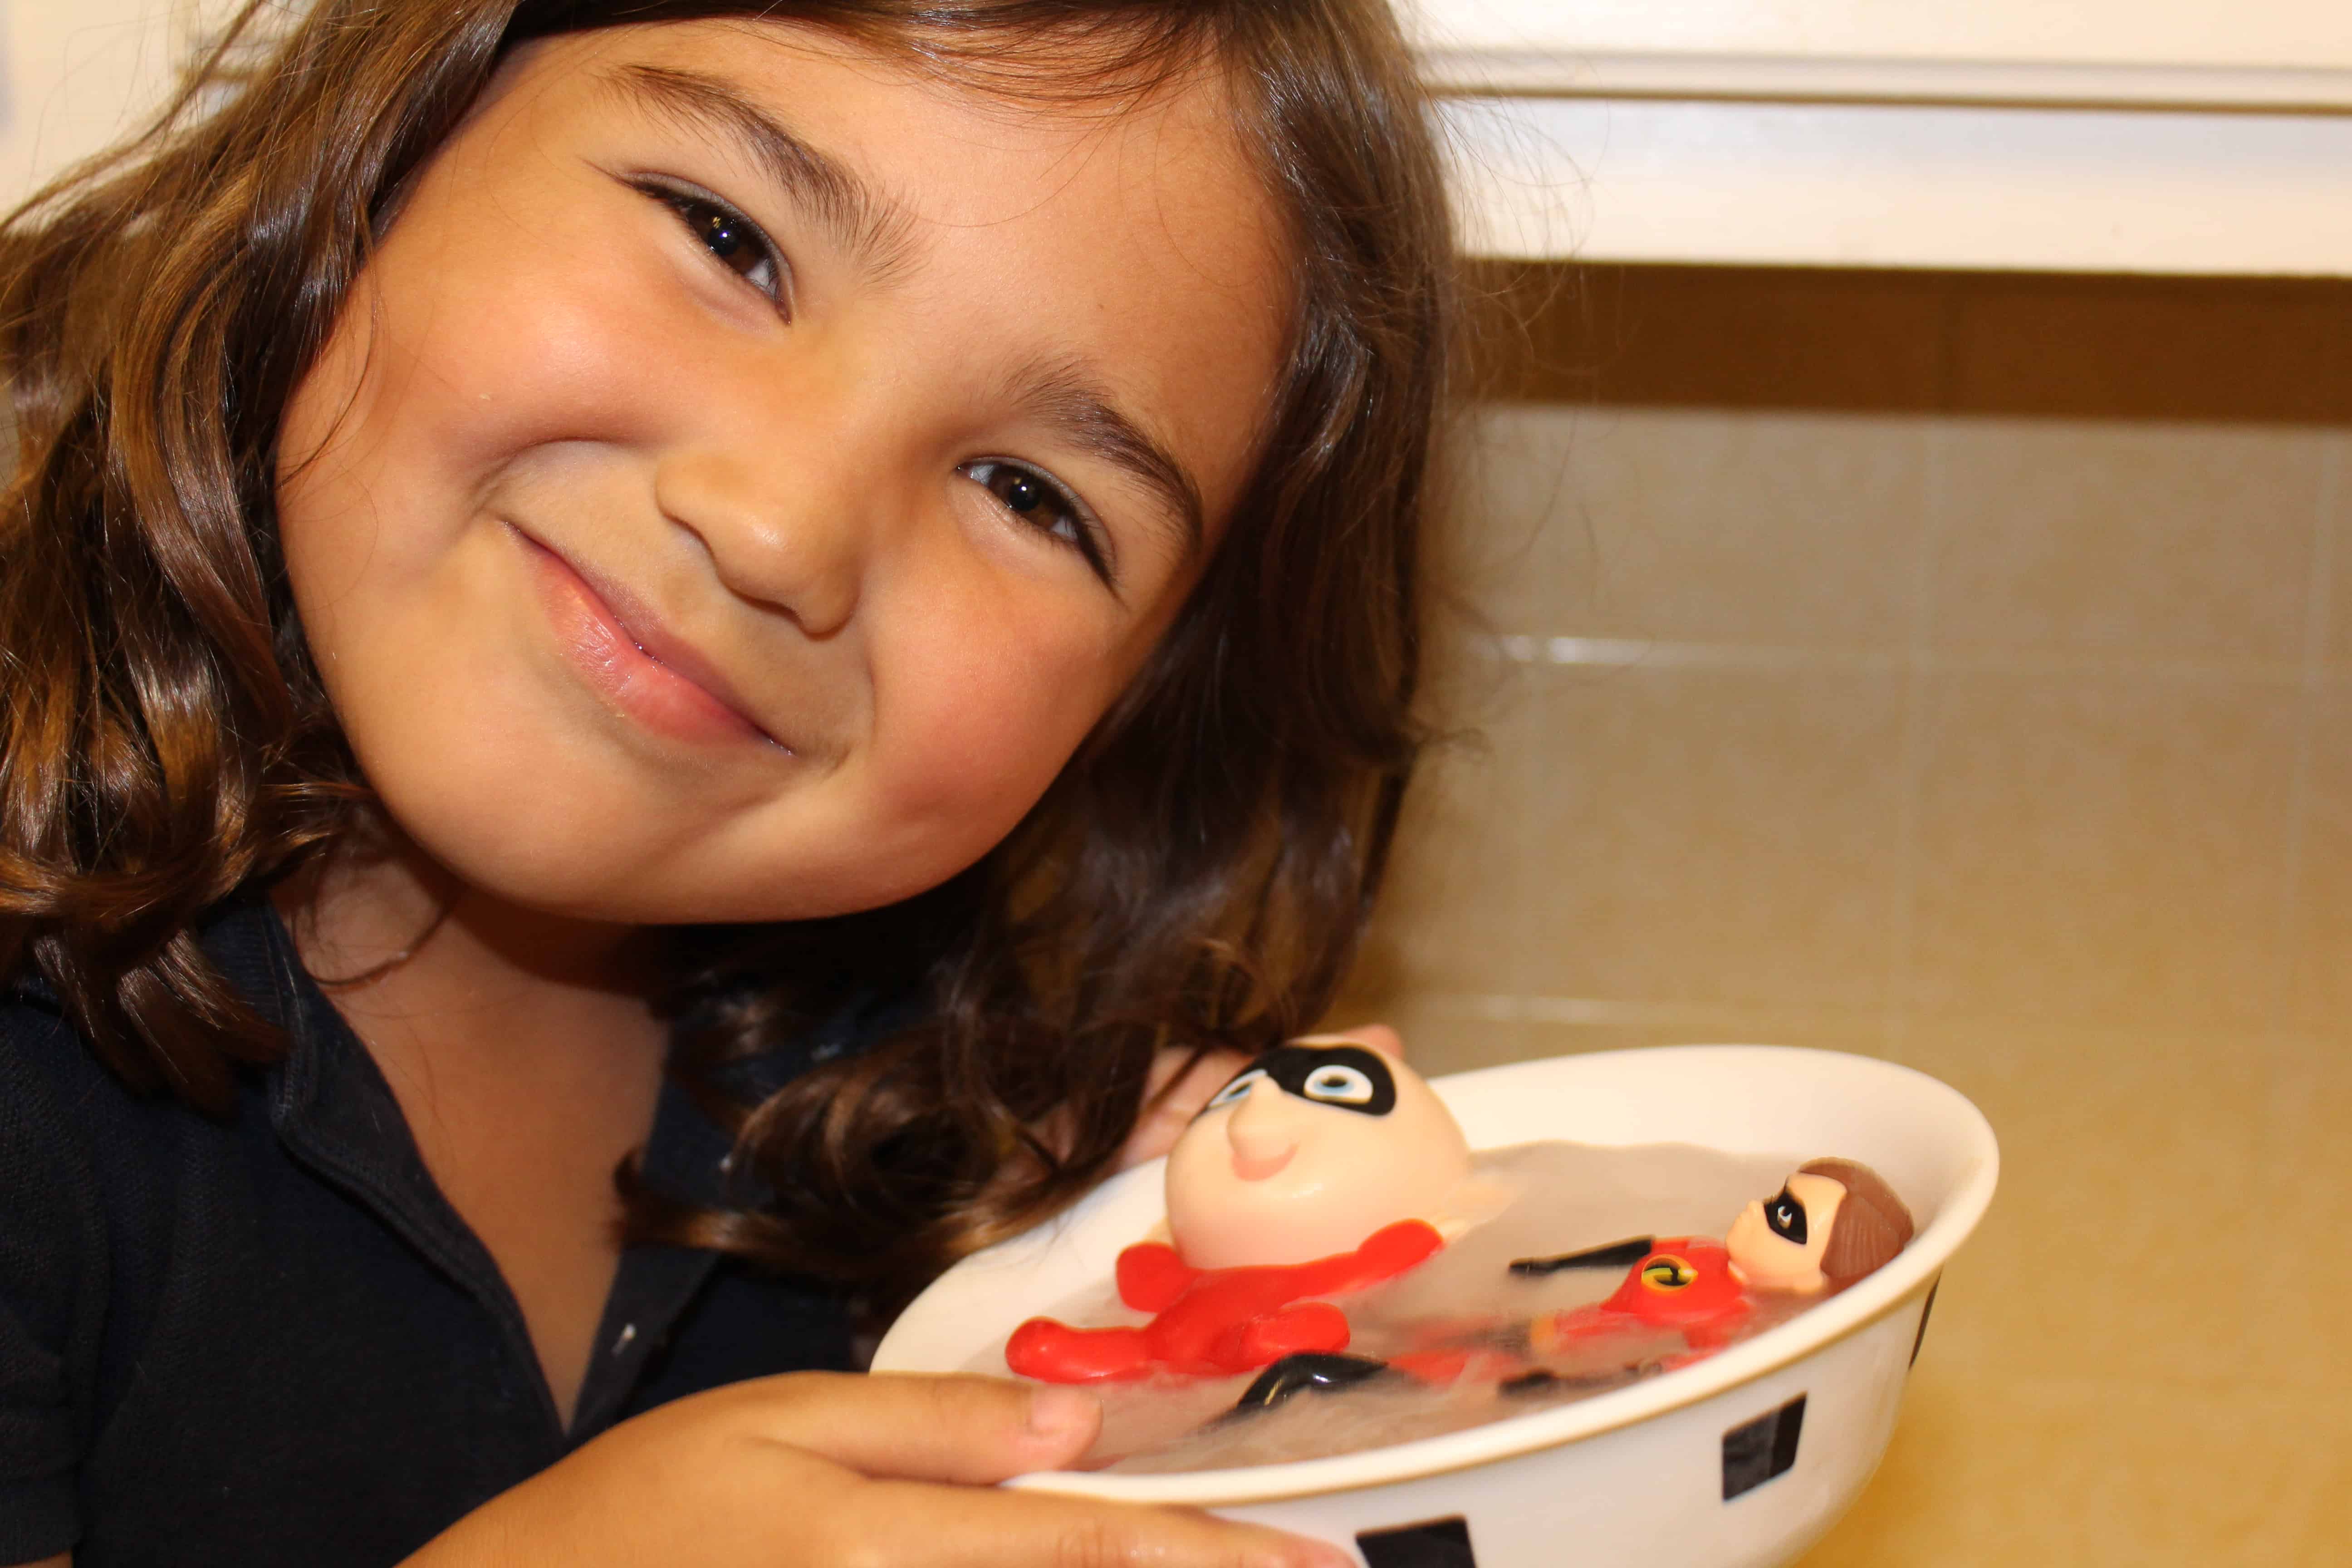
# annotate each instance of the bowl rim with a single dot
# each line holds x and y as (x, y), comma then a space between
(1912, 1274)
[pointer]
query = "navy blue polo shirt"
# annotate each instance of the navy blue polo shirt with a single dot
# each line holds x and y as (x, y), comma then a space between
(271, 1340)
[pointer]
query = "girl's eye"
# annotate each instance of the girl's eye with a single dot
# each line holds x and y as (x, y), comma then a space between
(1235, 1089)
(1786, 1217)
(1339, 1086)
(1046, 505)
(737, 243)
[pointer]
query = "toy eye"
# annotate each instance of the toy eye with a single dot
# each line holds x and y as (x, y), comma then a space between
(1235, 1089)
(1337, 1085)
(1667, 1274)
(1786, 1216)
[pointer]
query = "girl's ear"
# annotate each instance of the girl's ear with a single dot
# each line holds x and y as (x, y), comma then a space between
(1378, 1037)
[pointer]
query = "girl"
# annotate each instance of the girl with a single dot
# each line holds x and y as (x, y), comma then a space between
(802, 602)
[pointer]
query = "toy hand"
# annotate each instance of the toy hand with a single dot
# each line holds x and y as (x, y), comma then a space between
(818, 1468)
(1151, 1277)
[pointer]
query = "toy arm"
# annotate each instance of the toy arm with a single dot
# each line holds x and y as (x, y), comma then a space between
(1612, 1255)
(1151, 1277)
(1390, 1252)
(1056, 1353)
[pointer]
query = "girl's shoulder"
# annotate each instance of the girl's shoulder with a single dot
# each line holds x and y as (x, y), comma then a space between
(55, 1088)
(52, 1088)
(56, 1250)
(93, 1173)
(81, 1153)
(111, 1201)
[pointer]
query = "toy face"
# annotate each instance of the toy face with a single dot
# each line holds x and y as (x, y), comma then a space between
(1778, 1243)
(1310, 1150)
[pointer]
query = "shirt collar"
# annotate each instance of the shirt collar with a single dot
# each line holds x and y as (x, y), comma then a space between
(332, 1109)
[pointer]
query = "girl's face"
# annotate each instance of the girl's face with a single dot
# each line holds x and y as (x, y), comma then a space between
(747, 470)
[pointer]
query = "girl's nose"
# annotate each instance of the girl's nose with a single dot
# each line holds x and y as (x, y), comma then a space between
(789, 540)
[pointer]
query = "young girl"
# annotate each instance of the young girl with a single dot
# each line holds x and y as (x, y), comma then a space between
(803, 602)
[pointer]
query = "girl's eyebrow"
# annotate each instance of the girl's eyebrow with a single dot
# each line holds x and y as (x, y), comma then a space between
(868, 224)
(1062, 396)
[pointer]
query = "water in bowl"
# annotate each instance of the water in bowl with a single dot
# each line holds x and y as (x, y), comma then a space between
(1561, 1198)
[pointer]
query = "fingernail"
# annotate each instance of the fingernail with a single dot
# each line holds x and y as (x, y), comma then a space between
(1057, 1412)
(1320, 1555)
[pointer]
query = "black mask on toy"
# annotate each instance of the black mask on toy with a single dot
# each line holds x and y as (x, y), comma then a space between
(1786, 1216)
(1345, 1077)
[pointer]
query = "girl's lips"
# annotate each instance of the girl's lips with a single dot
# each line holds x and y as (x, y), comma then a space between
(633, 663)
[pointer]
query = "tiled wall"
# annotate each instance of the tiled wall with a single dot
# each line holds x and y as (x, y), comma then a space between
(2001, 726)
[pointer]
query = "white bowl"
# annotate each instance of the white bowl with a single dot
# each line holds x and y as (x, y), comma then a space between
(1742, 1461)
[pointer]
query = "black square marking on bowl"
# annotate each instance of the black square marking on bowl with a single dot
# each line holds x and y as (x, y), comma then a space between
(1762, 1448)
(1436, 1543)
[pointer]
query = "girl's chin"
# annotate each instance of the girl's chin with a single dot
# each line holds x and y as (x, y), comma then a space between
(612, 881)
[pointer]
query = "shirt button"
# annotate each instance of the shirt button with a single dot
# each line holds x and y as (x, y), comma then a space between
(628, 1332)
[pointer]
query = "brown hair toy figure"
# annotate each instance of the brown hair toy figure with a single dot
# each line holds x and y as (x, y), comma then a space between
(1871, 1227)
(1832, 1222)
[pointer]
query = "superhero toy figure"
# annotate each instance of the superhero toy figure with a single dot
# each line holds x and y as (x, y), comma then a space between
(1316, 1172)
(1832, 1223)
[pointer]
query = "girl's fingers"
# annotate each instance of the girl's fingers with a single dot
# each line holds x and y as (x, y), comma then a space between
(920, 1526)
(813, 1469)
(909, 1433)
(1173, 1095)
(973, 1430)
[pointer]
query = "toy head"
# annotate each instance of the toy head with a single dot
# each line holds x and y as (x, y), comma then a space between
(1310, 1150)
(1831, 1223)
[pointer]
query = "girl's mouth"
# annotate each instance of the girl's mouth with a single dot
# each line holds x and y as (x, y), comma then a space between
(630, 659)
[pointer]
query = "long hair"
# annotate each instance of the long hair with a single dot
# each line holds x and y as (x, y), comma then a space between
(1199, 873)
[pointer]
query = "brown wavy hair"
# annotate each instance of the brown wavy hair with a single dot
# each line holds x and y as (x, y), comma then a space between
(1198, 875)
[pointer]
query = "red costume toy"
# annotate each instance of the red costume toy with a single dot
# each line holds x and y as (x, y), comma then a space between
(1832, 1223)
(1684, 1283)
(1314, 1147)
(1216, 1321)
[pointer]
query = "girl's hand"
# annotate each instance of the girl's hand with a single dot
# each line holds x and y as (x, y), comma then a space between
(1179, 1086)
(822, 1467)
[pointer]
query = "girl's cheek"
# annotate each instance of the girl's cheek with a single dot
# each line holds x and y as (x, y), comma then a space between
(510, 361)
(978, 708)
(510, 308)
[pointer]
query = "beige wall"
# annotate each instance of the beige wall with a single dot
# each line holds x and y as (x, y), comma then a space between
(2016, 747)
(74, 74)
